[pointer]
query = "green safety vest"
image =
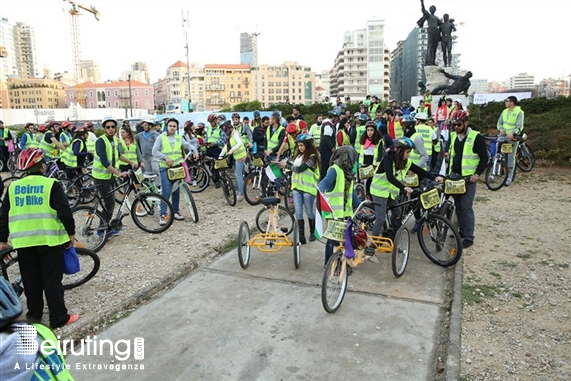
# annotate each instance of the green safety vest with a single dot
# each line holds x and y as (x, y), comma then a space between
(360, 130)
(240, 153)
(415, 154)
(213, 135)
(336, 197)
(31, 219)
(509, 123)
(382, 187)
(373, 109)
(273, 140)
(201, 147)
(54, 364)
(99, 172)
(243, 134)
(5, 135)
(362, 154)
(30, 141)
(69, 157)
(427, 99)
(64, 137)
(292, 145)
(306, 181)
(130, 152)
(50, 149)
(470, 160)
(38, 138)
(315, 132)
(173, 153)
(346, 139)
(426, 132)
(90, 143)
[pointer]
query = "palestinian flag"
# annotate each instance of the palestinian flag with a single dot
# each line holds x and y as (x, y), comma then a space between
(273, 171)
(323, 211)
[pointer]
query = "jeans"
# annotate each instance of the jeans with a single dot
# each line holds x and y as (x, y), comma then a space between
(239, 172)
(103, 187)
(277, 181)
(299, 200)
(214, 152)
(325, 158)
(511, 158)
(381, 213)
(465, 211)
(166, 188)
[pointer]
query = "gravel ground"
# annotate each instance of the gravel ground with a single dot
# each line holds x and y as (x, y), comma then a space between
(517, 283)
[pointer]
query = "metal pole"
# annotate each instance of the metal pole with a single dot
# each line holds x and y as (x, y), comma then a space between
(130, 97)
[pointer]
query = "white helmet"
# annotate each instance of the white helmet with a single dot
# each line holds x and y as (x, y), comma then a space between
(421, 116)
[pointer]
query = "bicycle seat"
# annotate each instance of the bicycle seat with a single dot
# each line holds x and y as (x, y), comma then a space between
(270, 200)
(365, 217)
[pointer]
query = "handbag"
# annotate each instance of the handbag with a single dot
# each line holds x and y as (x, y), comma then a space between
(70, 261)
(366, 172)
(454, 186)
(187, 172)
(176, 173)
(11, 147)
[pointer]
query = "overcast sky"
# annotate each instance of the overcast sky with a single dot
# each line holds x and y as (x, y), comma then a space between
(500, 38)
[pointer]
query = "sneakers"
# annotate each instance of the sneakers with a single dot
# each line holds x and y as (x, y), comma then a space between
(140, 212)
(467, 243)
(163, 220)
(240, 197)
(194, 183)
(370, 250)
(72, 319)
(110, 233)
(415, 228)
(217, 185)
(508, 182)
(178, 216)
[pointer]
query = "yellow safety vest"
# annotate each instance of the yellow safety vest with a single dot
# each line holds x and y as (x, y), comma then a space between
(99, 172)
(509, 123)
(315, 132)
(213, 135)
(240, 153)
(30, 141)
(359, 131)
(54, 364)
(273, 140)
(69, 157)
(50, 149)
(346, 139)
(306, 181)
(362, 154)
(336, 197)
(173, 153)
(130, 152)
(426, 132)
(31, 219)
(470, 159)
(382, 187)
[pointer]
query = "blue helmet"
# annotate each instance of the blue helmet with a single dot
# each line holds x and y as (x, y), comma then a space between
(363, 117)
(306, 138)
(10, 306)
(333, 112)
(408, 121)
(403, 142)
(256, 113)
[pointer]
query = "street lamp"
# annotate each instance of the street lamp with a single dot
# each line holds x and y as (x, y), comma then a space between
(130, 97)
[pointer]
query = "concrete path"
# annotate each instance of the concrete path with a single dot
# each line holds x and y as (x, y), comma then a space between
(267, 323)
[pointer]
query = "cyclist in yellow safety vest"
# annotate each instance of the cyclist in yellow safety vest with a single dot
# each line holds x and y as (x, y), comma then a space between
(65, 135)
(360, 128)
(343, 137)
(468, 159)
(40, 135)
(436, 148)
(510, 123)
(50, 144)
(394, 126)
(91, 138)
(235, 147)
(37, 217)
(288, 144)
(374, 105)
(337, 187)
(215, 140)
(27, 139)
(74, 156)
(246, 133)
(167, 150)
(428, 136)
(371, 150)
(315, 130)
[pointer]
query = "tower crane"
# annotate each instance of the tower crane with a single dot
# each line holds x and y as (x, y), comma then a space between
(74, 12)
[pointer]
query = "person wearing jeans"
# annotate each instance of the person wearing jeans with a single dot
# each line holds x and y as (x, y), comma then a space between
(235, 147)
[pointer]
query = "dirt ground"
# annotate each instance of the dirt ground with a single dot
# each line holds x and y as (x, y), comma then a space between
(516, 321)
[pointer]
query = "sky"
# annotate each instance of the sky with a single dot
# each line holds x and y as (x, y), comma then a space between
(498, 39)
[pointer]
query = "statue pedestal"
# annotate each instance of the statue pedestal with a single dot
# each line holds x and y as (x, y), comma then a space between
(434, 77)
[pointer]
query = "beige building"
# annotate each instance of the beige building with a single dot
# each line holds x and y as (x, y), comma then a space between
(35, 93)
(287, 83)
(226, 85)
(175, 86)
(89, 71)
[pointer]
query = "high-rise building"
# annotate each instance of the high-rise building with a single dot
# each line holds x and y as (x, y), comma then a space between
(26, 56)
(8, 60)
(362, 65)
(521, 81)
(249, 48)
(89, 70)
(289, 83)
(226, 85)
(478, 86)
(139, 72)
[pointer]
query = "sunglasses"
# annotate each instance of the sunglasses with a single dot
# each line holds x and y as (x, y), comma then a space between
(458, 124)
(110, 127)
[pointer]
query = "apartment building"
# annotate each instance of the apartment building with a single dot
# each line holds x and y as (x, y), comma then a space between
(34, 93)
(25, 46)
(181, 81)
(226, 85)
(116, 94)
(89, 71)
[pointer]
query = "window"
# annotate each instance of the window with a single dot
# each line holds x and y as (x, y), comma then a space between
(136, 104)
(91, 94)
(109, 94)
(91, 104)
(116, 104)
(146, 93)
(108, 104)
(116, 93)
(136, 92)
(146, 104)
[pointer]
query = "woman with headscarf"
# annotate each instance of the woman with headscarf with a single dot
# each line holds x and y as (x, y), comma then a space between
(337, 186)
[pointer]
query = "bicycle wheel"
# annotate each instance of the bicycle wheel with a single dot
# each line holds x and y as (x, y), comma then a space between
(253, 191)
(496, 175)
(296, 245)
(199, 175)
(334, 282)
(189, 201)
(401, 249)
(439, 240)
(525, 158)
(12, 163)
(71, 191)
(145, 212)
(228, 188)
(90, 228)
(360, 190)
(120, 193)
(243, 246)
(285, 219)
(11, 270)
(447, 210)
(89, 264)
(288, 199)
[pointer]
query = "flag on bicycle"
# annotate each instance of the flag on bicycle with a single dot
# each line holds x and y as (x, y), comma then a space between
(323, 211)
(273, 171)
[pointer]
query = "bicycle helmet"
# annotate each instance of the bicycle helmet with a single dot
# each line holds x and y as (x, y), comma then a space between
(333, 113)
(65, 124)
(222, 117)
(10, 306)
(421, 116)
(235, 115)
(28, 125)
(371, 123)
(256, 114)
(304, 138)
(461, 116)
(187, 123)
(359, 238)
(403, 142)
(211, 118)
(109, 119)
(291, 128)
(407, 121)
(42, 128)
(89, 124)
(29, 157)
(363, 117)
(199, 126)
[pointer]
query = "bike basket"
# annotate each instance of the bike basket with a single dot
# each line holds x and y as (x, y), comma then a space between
(366, 172)
(430, 199)
(455, 186)
(176, 173)
(220, 164)
(507, 148)
(258, 162)
(411, 181)
(139, 175)
(336, 230)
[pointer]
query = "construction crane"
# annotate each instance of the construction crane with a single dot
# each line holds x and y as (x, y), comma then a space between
(74, 12)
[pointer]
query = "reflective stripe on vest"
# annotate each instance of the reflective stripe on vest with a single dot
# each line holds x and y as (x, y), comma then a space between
(337, 196)
(414, 154)
(306, 181)
(54, 364)
(426, 132)
(509, 123)
(30, 141)
(240, 153)
(213, 135)
(50, 149)
(173, 153)
(359, 131)
(129, 152)
(31, 219)
(69, 157)
(470, 160)
(315, 132)
(99, 172)
(274, 140)
(382, 187)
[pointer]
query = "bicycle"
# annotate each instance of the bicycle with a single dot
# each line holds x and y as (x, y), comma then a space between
(92, 230)
(89, 264)
(496, 173)
(525, 157)
(228, 187)
(199, 174)
(273, 234)
(186, 194)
